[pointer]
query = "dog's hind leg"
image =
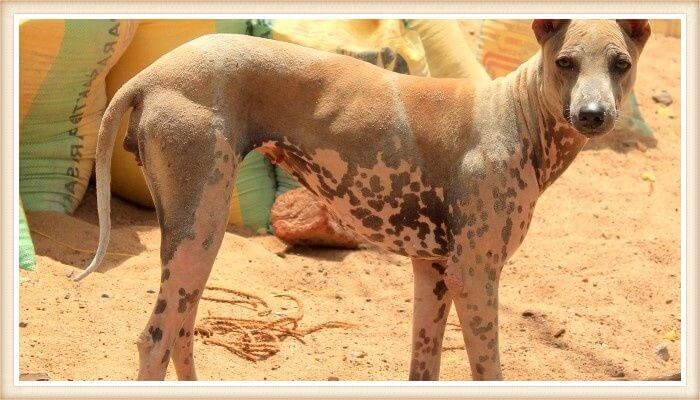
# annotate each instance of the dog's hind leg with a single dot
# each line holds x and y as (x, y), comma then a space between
(431, 305)
(190, 171)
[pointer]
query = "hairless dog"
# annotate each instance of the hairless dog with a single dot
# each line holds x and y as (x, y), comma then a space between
(445, 171)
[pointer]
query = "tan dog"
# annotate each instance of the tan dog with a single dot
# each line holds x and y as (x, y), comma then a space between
(440, 170)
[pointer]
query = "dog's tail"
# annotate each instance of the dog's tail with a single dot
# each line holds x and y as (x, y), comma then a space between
(124, 99)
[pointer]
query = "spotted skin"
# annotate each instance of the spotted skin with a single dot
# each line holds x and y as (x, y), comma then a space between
(445, 171)
(429, 319)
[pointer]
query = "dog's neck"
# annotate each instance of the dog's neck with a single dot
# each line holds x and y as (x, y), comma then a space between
(555, 142)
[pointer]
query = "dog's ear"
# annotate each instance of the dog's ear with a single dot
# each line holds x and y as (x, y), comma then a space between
(545, 28)
(637, 29)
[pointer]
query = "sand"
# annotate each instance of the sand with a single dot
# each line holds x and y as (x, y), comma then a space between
(601, 263)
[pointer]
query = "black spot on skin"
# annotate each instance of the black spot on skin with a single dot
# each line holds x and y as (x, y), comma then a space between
(182, 332)
(440, 289)
(436, 210)
(165, 275)
(439, 268)
(505, 233)
(376, 204)
(376, 237)
(476, 327)
(373, 222)
(483, 358)
(421, 333)
(360, 212)
(375, 184)
(166, 356)
(326, 173)
(207, 242)
(492, 274)
(415, 186)
(489, 289)
(156, 333)
(484, 216)
(480, 369)
(441, 313)
(423, 253)
(226, 158)
(470, 220)
(422, 365)
(398, 243)
(186, 298)
(160, 306)
(418, 345)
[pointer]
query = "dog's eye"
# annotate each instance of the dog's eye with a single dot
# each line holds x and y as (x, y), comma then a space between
(622, 65)
(564, 63)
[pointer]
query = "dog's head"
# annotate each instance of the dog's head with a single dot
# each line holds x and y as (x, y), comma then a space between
(589, 68)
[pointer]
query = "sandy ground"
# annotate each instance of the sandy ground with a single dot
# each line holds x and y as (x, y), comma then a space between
(601, 262)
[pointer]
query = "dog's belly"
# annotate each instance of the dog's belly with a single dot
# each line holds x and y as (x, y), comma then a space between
(393, 207)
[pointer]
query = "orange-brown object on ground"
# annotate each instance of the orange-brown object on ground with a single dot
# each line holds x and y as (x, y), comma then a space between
(299, 218)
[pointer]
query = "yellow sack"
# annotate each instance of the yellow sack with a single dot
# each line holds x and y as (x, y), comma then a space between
(62, 67)
(446, 50)
(382, 42)
(254, 189)
(505, 44)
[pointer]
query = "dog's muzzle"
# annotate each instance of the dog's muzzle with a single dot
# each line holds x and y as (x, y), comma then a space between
(592, 119)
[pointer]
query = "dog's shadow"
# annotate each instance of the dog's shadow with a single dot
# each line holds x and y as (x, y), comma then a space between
(317, 253)
(73, 239)
(277, 246)
(623, 140)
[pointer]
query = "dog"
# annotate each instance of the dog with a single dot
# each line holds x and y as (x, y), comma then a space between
(444, 171)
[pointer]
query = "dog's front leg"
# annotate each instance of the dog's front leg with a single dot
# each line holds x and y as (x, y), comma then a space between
(183, 349)
(476, 302)
(431, 304)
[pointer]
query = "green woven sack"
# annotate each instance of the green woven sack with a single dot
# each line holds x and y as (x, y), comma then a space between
(26, 247)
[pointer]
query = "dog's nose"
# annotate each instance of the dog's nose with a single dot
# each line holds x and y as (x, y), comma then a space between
(591, 115)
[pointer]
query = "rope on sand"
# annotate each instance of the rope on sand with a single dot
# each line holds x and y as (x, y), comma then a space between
(255, 339)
